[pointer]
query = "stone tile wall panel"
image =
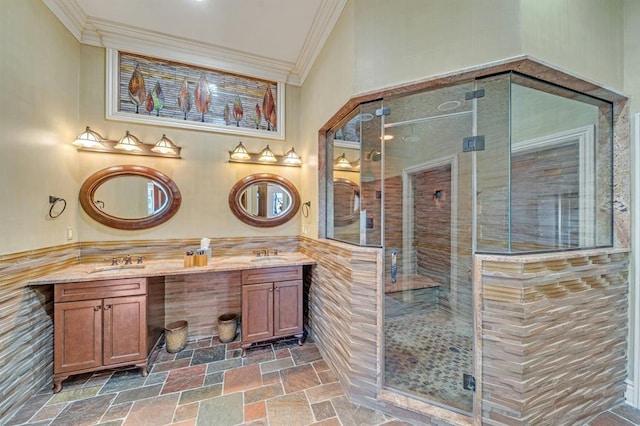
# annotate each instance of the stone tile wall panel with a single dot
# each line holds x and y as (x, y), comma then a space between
(553, 337)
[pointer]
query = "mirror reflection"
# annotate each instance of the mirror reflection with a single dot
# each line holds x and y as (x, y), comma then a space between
(144, 197)
(266, 199)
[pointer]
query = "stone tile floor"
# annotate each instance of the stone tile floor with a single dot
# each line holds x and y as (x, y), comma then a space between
(209, 383)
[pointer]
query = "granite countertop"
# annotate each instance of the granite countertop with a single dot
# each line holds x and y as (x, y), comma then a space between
(154, 268)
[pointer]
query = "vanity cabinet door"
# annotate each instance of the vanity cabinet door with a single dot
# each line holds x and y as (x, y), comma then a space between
(101, 324)
(257, 312)
(272, 302)
(287, 308)
(77, 335)
(125, 329)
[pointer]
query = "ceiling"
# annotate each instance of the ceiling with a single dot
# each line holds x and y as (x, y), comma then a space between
(271, 39)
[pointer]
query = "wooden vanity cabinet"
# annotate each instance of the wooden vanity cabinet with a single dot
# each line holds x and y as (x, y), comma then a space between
(272, 304)
(104, 324)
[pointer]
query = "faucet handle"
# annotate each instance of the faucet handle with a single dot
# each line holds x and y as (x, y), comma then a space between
(139, 261)
(114, 260)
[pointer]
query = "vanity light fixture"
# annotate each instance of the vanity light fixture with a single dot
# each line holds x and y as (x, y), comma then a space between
(240, 153)
(164, 146)
(342, 163)
(129, 144)
(88, 139)
(292, 157)
(266, 157)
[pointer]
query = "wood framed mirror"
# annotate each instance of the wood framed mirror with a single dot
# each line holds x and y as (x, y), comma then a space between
(264, 200)
(130, 197)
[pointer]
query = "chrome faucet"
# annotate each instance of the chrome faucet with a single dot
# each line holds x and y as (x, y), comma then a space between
(266, 252)
(125, 260)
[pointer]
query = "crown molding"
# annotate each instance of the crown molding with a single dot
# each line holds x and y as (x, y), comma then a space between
(108, 34)
(113, 35)
(323, 24)
(70, 14)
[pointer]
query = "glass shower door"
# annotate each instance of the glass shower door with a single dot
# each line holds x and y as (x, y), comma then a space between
(428, 245)
(353, 150)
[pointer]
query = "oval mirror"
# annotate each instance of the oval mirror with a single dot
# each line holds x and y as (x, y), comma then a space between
(346, 202)
(264, 200)
(130, 197)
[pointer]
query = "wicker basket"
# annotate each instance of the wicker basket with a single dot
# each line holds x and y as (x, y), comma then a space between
(175, 336)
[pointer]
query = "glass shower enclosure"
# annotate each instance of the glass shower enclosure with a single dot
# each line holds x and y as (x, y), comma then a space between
(504, 164)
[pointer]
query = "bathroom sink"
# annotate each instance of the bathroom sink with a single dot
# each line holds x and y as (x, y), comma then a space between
(268, 259)
(111, 268)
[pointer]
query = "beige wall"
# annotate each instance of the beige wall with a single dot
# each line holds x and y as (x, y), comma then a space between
(39, 67)
(203, 175)
(327, 88)
(632, 52)
(52, 86)
(581, 36)
(407, 40)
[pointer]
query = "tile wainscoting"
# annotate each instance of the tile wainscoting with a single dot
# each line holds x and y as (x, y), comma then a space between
(553, 335)
(26, 313)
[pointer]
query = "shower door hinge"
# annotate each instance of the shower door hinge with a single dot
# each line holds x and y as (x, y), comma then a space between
(474, 94)
(383, 111)
(473, 143)
(469, 382)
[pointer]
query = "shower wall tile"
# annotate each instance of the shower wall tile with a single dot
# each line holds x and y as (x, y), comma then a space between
(393, 236)
(621, 175)
(432, 213)
(373, 205)
(553, 330)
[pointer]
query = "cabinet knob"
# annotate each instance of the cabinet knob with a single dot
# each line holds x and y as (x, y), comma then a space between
(96, 308)
(107, 307)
